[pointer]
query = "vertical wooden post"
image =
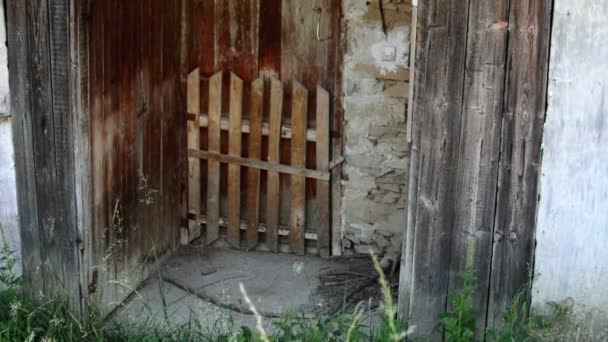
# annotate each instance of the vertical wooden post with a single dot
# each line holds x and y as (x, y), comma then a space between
(299, 125)
(523, 120)
(45, 128)
(23, 141)
(322, 155)
(213, 176)
(234, 170)
(274, 140)
(194, 164)
(476, 177)
(255, 152)
(436, 134)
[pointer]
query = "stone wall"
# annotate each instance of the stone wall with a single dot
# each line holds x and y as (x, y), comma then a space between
(8, 192)
(375, 102)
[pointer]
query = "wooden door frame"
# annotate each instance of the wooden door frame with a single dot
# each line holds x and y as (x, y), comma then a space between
(47, 75)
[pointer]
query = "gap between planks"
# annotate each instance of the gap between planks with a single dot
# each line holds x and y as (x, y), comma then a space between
(283, 230)
(286, 133)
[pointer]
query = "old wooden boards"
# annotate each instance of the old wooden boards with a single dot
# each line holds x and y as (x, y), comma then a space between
(45, 128)
(251, 210)
(481, 76)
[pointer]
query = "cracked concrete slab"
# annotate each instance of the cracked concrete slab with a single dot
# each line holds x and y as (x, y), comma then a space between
(203, 284)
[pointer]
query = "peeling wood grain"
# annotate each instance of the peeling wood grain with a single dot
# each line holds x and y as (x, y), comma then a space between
(520, 151)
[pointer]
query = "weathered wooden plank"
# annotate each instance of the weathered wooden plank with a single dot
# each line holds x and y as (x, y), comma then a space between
(436, 132)
(520, 153)
(236, 30)
(19, 75)
(269, 45)
(305, 57)
(274, 140)
(80, 106)
(255, 152)
(234, 170)
(43, 136)
(98, 80)
(299, 123)
(53, 150)
(65, 243)
(213, 175)
(207, 31)
(475, 183)
(262, 165)
(173, 128)
(194, 164)
(322, 154)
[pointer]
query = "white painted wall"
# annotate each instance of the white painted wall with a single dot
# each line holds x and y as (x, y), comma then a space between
(8, 193)
(572, 229)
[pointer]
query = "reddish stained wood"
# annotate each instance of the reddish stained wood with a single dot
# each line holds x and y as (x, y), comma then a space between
(255, 152)
(236, 37)
(131, 86)
(207, 39)
(270, 37)
(298, 159)
(234, 171)
(274, 139)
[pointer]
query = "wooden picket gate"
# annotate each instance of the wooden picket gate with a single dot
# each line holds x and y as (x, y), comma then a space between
(275, 129)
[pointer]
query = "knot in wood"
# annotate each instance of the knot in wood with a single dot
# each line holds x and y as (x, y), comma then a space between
(499, 236)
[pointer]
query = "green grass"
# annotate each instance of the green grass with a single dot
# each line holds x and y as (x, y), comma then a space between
(23, 320)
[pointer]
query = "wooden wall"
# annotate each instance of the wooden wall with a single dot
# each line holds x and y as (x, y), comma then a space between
(139, 53)
(481, 79)
(138, 153)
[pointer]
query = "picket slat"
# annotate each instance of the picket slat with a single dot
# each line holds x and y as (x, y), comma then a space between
(213, 176)
(234, 170)
(274, 140)
(194, 164)
(322, 155)
(255, 153)
(299, 119)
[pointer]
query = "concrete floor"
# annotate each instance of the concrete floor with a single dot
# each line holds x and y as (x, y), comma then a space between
(203, 284)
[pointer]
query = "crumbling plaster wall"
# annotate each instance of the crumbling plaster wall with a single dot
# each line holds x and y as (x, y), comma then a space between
(572, 228)
(375, 101)
(8, 191)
